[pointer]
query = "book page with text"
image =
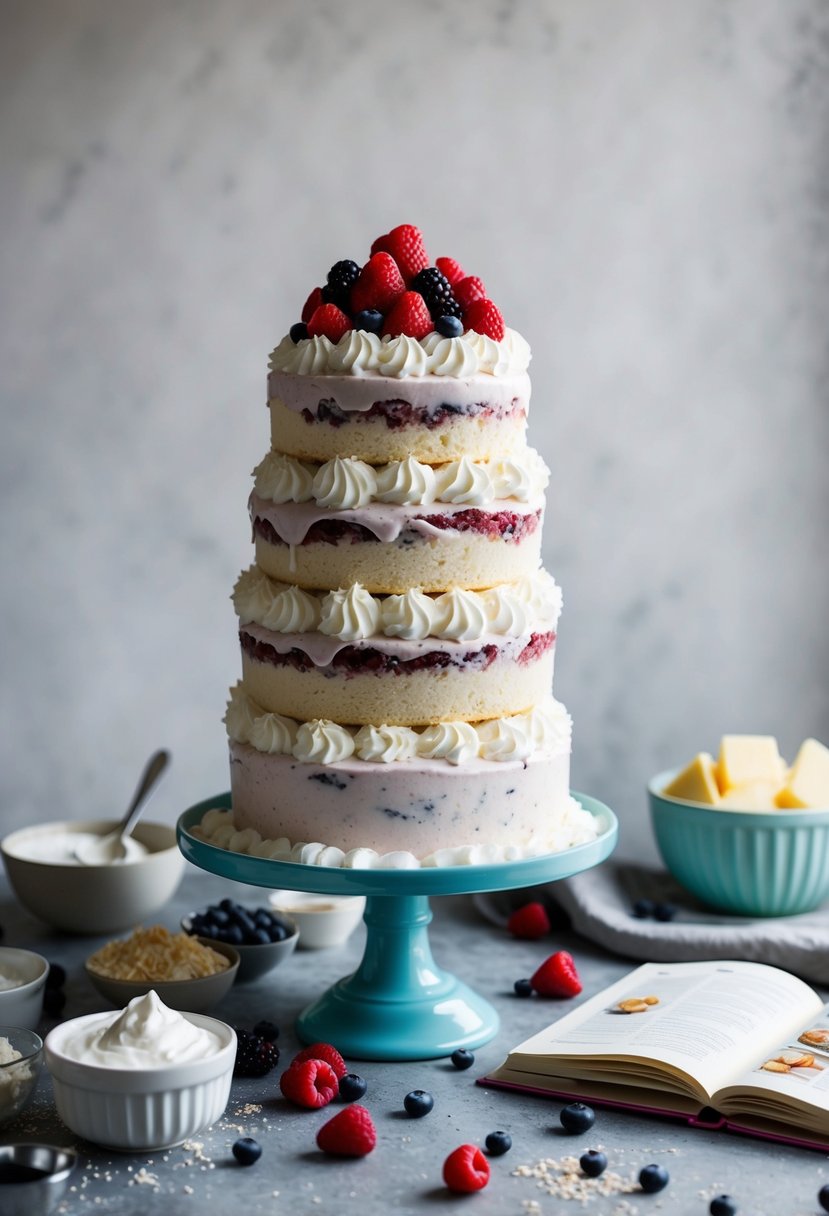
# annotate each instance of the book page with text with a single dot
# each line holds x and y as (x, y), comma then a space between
(713, 1021)
(794, 1075)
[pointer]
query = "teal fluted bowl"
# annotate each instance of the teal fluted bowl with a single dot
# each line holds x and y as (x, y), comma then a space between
(752, 863)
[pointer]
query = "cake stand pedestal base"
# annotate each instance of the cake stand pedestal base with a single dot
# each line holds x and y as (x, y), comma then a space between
(398, 1004)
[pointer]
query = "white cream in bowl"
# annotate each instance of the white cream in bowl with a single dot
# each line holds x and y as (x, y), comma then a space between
(144, 1035)
(146, 1077)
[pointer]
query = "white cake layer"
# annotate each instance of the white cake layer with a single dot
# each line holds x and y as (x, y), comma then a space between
(402, 549)
(419, 806)
(370, 438)
(476, 683)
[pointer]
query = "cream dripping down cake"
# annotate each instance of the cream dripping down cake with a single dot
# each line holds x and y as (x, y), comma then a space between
(397, 629)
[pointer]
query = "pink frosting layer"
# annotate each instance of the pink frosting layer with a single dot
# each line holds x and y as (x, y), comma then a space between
(417, 806)
(292, 520)
(427, 393)
(322, 650)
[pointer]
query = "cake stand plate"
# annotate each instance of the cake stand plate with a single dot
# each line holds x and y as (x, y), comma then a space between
(398, 1004)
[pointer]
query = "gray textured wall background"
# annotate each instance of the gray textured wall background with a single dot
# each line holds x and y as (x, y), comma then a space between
(643, 186)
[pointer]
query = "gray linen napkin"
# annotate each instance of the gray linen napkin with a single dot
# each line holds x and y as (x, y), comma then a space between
(599, 905)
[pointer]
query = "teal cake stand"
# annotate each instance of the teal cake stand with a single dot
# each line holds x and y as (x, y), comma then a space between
(398, 1004)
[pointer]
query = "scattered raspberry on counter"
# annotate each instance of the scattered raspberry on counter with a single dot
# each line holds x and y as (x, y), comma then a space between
(557, 976)
(529, 922)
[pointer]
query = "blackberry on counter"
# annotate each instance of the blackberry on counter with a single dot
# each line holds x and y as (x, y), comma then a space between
(255, 1056)
(436, 290)
(341, 278)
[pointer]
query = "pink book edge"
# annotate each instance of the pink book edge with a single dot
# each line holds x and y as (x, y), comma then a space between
(641, 1109)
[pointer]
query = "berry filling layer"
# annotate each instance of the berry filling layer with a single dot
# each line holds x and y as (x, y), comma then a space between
(358, 660)
(398, 415)
(509, 526)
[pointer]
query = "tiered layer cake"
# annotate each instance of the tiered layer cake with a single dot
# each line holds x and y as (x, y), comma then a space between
(397, 631)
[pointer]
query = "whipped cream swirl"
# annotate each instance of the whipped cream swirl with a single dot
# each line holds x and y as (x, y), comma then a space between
(352, 614)
(144, 1035)
(546, 728)
(346, 482)
(359, 352)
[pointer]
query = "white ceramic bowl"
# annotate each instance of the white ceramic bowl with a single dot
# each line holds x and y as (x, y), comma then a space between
(139, 1109)
(18, 1078)
(322, 920)
(93, 899)
(190, 996)
(22, 1005)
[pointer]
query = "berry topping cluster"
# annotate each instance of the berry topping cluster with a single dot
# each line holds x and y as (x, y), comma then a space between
(396, 292)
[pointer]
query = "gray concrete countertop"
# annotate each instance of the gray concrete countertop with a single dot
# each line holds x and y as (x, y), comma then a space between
(404, 1172)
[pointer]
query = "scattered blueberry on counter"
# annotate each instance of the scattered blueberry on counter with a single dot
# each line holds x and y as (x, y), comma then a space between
(56, 976)
(239, 926)
(246, 1150)
(823, 1197)
(462, 1058)
(523, 988)
(54, 1000)
(577, 1117)
(653, 1178)
(418, 1103)
(498, 1143)
(649, 909)
(593, 1163)
(723, 1205)
(352, 1087)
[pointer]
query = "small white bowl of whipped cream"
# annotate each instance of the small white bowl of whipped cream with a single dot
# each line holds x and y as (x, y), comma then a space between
(44, 872)
(22, 982)
(144, 1078)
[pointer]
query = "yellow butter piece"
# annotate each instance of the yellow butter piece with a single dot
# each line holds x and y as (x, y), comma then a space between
(755, 796)
(748, 759)
(696, 783)
(807, 784)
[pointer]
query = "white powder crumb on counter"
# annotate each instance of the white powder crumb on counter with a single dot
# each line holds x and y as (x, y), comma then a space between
(188, 1190)
(143, 1177)
(563, 1179)
(196, 1147)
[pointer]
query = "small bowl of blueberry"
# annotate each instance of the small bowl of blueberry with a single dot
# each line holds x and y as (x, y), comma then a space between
(263, 938)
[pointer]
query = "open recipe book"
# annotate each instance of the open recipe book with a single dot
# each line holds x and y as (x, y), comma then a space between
(735, 1045)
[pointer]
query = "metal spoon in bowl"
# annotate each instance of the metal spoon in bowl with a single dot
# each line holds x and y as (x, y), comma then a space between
(111, 848)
